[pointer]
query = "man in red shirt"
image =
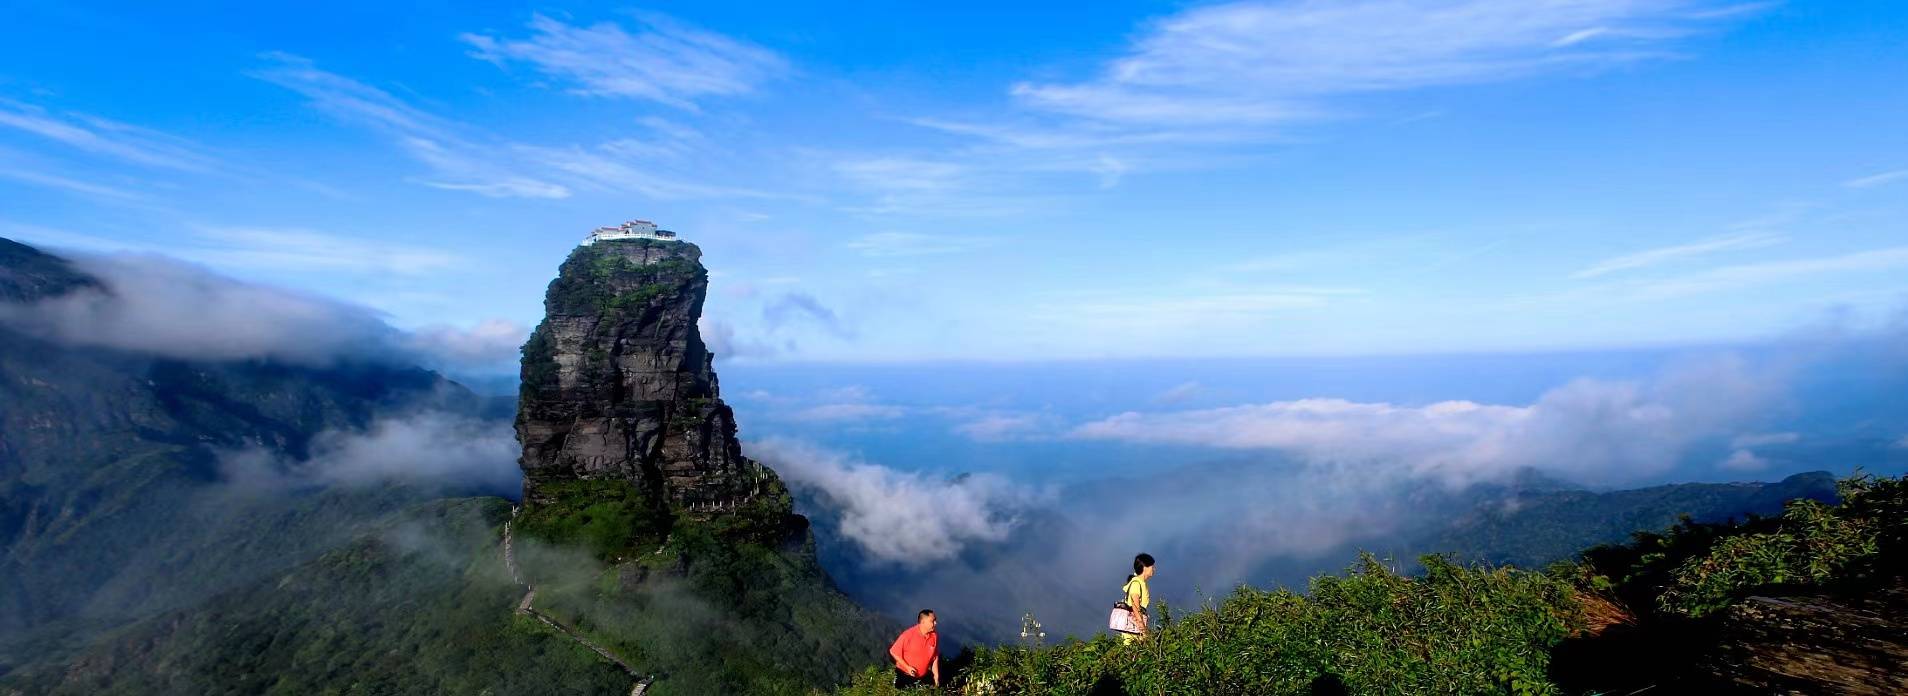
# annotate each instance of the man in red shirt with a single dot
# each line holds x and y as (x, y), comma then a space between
(917, 654)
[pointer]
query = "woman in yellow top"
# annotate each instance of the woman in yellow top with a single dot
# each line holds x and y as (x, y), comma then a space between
(1138, 597)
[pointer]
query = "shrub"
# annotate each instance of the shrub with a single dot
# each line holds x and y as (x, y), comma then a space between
(1455, 629)
(1813, 546)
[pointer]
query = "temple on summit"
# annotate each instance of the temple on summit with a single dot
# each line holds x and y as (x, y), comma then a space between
(634, 229)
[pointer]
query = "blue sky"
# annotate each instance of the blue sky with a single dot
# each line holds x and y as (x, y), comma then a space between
(881, 182)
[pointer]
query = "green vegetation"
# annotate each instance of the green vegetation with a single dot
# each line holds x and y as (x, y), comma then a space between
(1453, 629)
(638, 297)
(1534, 528)
(596, 280)
(420, 605)
(1458, 628)
(539, 361)
(1697, 569)
(731, 604)
(609, 519)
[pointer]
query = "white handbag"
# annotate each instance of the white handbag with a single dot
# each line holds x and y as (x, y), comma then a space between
(1121, 620)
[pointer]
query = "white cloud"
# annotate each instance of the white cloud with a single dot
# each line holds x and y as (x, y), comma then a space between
(852, 392)
(487, 171)
(461, 157)
(157, 305)
(1126, 313)
(307, 250)
(427, 447)
(40, 178)
(1678, 252)
(1261, 63)
(106, 138)
(153, 304)
(897, 517)
(1191, 87)
(1748, 440)
(627, 165)
(835, 413)
(892, 244)
(664, 61)
(1002, 427)
(1178, 394)
(903, 174)
(1878, 263)
(1603, 431)
(722, 340)
(492, 343)
(967, 183)
(1580, 36)
(1751, 274)
(1874, 180)
(1744, 460)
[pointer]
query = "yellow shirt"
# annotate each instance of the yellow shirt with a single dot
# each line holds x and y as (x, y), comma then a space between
(1137, 586)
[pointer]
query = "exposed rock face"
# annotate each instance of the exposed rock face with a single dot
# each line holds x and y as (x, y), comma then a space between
(1815, 644)
(617, 384)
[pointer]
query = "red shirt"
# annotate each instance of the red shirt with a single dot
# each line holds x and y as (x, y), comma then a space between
(917, 650)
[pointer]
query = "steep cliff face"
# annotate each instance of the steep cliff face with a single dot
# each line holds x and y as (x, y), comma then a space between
(699, 570)
(618, 386)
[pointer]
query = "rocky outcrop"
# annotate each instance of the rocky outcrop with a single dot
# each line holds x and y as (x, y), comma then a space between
(1815, 644)
(618, 385)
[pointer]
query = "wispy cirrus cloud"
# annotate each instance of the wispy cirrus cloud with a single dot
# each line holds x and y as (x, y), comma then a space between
(459, 157)
(1185, 309)
(1193, 86)
(260, 248)
(629, 165)
(1662, 255)
(893, 244)
(1179, 393)
(1874, 180)
(308, 250)
(1260, 63)
(940, 185)
(107, 138)
(462, 157)
(1754, 274)
(27, 170)
(663, 61)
